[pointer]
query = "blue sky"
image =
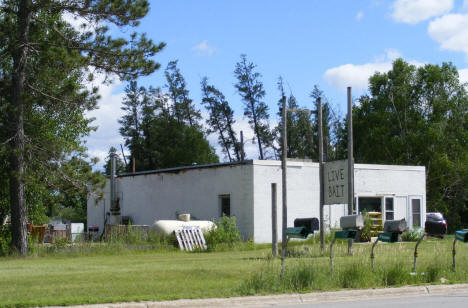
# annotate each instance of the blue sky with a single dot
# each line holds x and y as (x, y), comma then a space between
(332, 44)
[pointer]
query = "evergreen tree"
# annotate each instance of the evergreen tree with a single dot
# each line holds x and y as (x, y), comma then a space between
(183, 107)
(175, 144)
(164, 141)
(250, 88)
(299, 127)
(119, 164)
(133, 105)
(44, 63)
(328, 124)
(221, 119)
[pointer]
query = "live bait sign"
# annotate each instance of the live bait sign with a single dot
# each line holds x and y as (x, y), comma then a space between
(336, 182)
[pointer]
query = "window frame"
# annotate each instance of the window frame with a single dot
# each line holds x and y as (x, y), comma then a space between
(221, 198)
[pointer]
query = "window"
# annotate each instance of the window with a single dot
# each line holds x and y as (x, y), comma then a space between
(416, 212)
(370, 204)
(225, 205)
(389, 212)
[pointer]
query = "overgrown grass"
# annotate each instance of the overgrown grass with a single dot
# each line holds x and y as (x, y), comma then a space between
(307, 269)
(113, 272)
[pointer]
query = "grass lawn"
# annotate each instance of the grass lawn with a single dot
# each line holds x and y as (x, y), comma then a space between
(80, 278)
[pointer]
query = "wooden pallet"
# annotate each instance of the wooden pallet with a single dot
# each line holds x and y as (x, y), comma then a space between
(190, 238)
(376, 219)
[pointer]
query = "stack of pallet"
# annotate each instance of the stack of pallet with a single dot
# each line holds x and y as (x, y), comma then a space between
(376, 219)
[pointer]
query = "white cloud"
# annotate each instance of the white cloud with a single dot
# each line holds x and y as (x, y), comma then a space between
(451, 32)
(107, 115)
(463, 73)
(414, 11)
(203, 49)
(392, 53)
(357, 75)
(359, 15)
(79, 23)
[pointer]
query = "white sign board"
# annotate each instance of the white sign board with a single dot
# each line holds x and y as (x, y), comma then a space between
(336, 182)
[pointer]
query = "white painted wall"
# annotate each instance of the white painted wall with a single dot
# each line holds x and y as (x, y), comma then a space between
(303, 192)
(156, 196)
(401, 182)
(303, 195)
(150, 197)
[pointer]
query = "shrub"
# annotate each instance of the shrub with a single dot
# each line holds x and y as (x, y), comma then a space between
(226, 232)
(412, 235)
(5, 239)
(366, 230)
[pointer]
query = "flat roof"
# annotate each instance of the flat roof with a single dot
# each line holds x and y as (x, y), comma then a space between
(182, 168)
(291, 162)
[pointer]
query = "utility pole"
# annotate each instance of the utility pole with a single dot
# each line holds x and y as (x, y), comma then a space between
(274, 222)
(350, 163)
(284, 154)
(284, 136)
(322, 201)
(350, 155)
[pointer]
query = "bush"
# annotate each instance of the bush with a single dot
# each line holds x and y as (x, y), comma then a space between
(412, 235)
(5, 239)
(366, 230)
(226, 232)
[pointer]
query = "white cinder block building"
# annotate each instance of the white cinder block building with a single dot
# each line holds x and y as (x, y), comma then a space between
(244, 190)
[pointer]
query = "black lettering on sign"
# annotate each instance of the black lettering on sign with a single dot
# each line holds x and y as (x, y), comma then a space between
(335, 175)
(335, 191)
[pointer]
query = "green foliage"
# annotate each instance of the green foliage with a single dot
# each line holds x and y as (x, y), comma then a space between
(44, 99)
(411, 235)
(395, 274)
(221, 120)
(419, 116)
(119, 164)
(366, 230)
(183, 108)
(5, 240)
(226, 232)
(155, 135)
(251, 90)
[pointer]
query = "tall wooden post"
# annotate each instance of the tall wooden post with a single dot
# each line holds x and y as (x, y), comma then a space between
(350, 155)
(274, 222)
(321, 183)
(350, 163)
(284, 240)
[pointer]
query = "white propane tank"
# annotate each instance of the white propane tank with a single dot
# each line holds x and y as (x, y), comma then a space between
(169, 226)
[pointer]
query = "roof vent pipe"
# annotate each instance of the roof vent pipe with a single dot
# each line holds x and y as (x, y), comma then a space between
(114, 208)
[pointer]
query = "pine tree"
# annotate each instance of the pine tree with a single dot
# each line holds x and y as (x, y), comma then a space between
(250, 88)
(133, 105)
(119, 164)
(221, 119)
(46, 61)
(329, 121)
(183, 107)
(299, 127)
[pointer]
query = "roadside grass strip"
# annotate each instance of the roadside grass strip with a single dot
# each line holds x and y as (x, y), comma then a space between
(121, 275)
